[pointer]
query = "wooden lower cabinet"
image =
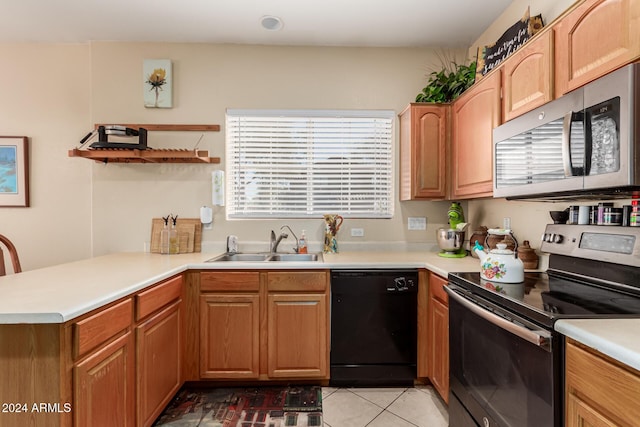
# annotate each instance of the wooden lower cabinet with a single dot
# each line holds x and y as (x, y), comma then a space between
(424, 356)
(104, 386)
(264, 325)
(439, 335)
(297, 335)
(599, 391)
(158, 362)
(230, 336)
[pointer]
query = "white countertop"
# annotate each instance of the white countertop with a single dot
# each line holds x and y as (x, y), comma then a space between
(62, 292)
(616, 338)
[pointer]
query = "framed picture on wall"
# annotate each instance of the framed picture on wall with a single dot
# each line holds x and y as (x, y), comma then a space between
(14, 171)
(158, 83)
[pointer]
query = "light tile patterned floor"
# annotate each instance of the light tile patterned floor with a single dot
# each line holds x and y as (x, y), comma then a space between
(383, 407)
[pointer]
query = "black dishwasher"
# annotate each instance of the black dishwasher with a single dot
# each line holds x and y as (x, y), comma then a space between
(373, 327)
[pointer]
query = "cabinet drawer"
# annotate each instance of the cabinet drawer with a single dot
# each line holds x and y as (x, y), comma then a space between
(157, 297)
(436, 288)
(97, 329)
(305, 281)
(234, 281)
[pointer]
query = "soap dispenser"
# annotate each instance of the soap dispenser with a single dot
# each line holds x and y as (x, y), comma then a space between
(302, 243)
(164, 236)
(174, 244)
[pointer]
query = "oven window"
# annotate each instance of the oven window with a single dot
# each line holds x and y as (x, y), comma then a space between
(497, 375)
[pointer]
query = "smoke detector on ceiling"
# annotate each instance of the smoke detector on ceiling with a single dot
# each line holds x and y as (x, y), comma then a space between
(271, 23)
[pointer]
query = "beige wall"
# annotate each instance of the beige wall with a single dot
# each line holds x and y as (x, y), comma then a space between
(550, 10)
(211, 78)
(55, 93)
(528, 219)
(45, 95)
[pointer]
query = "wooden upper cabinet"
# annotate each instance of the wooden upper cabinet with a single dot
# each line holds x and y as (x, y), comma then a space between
(475, 113)
(595, 38)
(423, 142)
(527, 77)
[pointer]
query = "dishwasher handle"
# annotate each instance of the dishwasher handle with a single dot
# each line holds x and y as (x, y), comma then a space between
(540, 338)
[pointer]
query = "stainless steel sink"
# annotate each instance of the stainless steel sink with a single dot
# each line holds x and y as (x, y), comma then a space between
(266, 257)
(241, 257)
(296, 257)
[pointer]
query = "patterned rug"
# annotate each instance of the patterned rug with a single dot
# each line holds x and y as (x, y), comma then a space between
(299, 406)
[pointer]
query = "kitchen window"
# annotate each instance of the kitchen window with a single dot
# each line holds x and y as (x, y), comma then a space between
(305, 163)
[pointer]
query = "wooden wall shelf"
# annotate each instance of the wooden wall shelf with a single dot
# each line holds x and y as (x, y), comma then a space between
(107, 155)
(172, 155)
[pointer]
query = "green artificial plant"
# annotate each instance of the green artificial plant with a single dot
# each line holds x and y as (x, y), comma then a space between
(447, 84)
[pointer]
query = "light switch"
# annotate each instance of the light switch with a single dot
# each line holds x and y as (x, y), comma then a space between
(417, 223)
(357, 232)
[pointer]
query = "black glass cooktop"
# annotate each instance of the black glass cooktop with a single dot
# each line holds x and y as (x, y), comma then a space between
(545, 298)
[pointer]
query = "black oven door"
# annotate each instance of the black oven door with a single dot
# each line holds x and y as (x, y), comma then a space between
(503, 371)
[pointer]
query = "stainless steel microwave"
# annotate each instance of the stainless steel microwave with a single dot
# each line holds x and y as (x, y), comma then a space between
(583, 144)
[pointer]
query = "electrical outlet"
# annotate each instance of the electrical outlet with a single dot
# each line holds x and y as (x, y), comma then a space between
(357, 232)
(417, 223)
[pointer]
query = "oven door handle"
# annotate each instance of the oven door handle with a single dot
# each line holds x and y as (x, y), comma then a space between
(541, 338)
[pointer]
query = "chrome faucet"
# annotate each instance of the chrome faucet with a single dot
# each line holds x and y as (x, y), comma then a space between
(273, 242)
(297, 246)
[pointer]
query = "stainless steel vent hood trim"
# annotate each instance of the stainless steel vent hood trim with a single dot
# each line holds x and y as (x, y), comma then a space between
(615, 193)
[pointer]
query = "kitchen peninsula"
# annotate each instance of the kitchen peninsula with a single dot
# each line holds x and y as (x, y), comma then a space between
(46, 315)
(124, 331)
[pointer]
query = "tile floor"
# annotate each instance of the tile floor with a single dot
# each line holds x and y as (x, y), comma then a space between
(383, 407)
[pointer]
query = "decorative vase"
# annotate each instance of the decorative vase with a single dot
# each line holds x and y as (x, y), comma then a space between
(332, 225)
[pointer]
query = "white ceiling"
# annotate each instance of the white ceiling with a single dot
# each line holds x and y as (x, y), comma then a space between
(414, 23)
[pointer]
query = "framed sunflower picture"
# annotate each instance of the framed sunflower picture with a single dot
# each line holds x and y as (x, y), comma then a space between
(157, 83)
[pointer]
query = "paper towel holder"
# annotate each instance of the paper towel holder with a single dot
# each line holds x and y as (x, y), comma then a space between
(217, 188)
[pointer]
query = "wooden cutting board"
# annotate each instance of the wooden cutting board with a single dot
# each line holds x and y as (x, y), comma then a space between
(189, 234)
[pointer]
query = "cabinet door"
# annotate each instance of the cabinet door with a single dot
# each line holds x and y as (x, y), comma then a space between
(598, 390)
(424, 356)
(423, 142)
(229, 336)
(527, 77)
(297, 336)
(579, 414)
(439, 336)
(104, 389)
(474, 116)
(595, 38)
(158, 362)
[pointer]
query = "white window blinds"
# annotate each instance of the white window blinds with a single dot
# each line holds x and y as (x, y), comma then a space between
(305, 163)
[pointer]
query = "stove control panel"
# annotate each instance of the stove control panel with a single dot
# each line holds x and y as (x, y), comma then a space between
(620, 245)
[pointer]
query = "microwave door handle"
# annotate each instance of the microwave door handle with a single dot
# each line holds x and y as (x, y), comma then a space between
(566, 144)
(540, 338)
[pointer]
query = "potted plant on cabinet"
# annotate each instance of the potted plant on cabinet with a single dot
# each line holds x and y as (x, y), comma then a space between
(447, 84)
